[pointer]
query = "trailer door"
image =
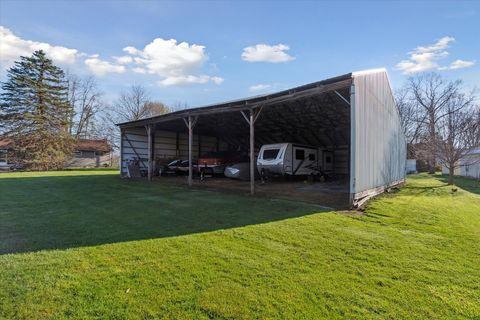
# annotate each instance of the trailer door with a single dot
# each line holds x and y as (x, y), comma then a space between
(304, 159)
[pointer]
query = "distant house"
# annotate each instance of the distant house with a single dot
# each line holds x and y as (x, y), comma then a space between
(88, 153)
(5, 148)
(91, 153)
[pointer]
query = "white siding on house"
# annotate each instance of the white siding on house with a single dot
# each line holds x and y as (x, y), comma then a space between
(456, 171)
(469, 166)
(95, 161)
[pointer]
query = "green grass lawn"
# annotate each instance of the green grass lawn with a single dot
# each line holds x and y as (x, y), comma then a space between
(86, 244)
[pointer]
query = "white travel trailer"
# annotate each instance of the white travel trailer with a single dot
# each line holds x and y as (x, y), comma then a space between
(292, 159)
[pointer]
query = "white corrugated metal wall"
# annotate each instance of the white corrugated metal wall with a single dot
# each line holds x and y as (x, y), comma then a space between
(378, 144)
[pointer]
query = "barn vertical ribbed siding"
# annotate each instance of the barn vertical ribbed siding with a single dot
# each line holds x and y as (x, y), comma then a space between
(135, 145)
(379, 144)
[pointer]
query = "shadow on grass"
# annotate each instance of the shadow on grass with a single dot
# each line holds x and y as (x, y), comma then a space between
(468, 184)
(58, 212)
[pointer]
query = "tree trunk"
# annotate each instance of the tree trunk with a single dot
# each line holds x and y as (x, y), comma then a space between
(431, 147)
(451, 172)
(431, 166)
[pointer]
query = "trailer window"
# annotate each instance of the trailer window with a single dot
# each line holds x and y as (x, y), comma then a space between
(311, 157)
(300, 154)
(270, 154)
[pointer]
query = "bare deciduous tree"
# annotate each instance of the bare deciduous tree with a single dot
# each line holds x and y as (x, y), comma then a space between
(440, 121)
(86, 100)
(410, 116)
(155, 108)
(430, 94)
(458, 132)
(135, 104)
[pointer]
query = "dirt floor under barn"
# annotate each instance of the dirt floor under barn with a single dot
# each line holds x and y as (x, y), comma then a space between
(332, 194)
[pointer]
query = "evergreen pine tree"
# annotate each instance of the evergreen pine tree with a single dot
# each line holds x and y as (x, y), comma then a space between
(35, 112)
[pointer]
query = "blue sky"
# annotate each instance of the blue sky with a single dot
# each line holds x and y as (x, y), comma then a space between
(289, 43)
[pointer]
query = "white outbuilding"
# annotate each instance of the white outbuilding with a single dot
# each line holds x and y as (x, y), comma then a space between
(469, 166)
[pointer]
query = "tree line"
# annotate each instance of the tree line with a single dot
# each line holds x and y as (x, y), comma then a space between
(44, 110)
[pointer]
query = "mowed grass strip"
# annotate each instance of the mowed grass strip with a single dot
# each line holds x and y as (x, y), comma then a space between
(90, 245)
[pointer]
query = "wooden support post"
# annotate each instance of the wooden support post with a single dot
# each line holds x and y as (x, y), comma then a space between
(252, 152)
(254, 113)
(151, 152)
(190, 123)
(190, 142)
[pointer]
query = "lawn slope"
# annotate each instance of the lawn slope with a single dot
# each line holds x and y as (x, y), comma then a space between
(90, 245)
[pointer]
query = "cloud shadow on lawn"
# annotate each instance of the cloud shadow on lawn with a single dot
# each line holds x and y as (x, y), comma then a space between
(59, 212)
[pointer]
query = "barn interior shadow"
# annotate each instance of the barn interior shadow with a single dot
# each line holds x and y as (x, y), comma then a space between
(41, 213)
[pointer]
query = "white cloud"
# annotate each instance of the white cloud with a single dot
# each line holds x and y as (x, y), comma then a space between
(259, 87)
(139, 70)
(12, 47)
(426, 58)
(123, 59)
(175, 62)
(189, 79)
(459, 64)
(102, 67)
(217, 80)
(131, 50)
(441, 44)
(166, 58)
(267, 53)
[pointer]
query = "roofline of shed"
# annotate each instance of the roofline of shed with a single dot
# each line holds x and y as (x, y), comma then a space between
(240, 104)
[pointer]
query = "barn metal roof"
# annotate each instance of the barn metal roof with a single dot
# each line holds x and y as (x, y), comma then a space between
(317, 114)
(249, 103)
